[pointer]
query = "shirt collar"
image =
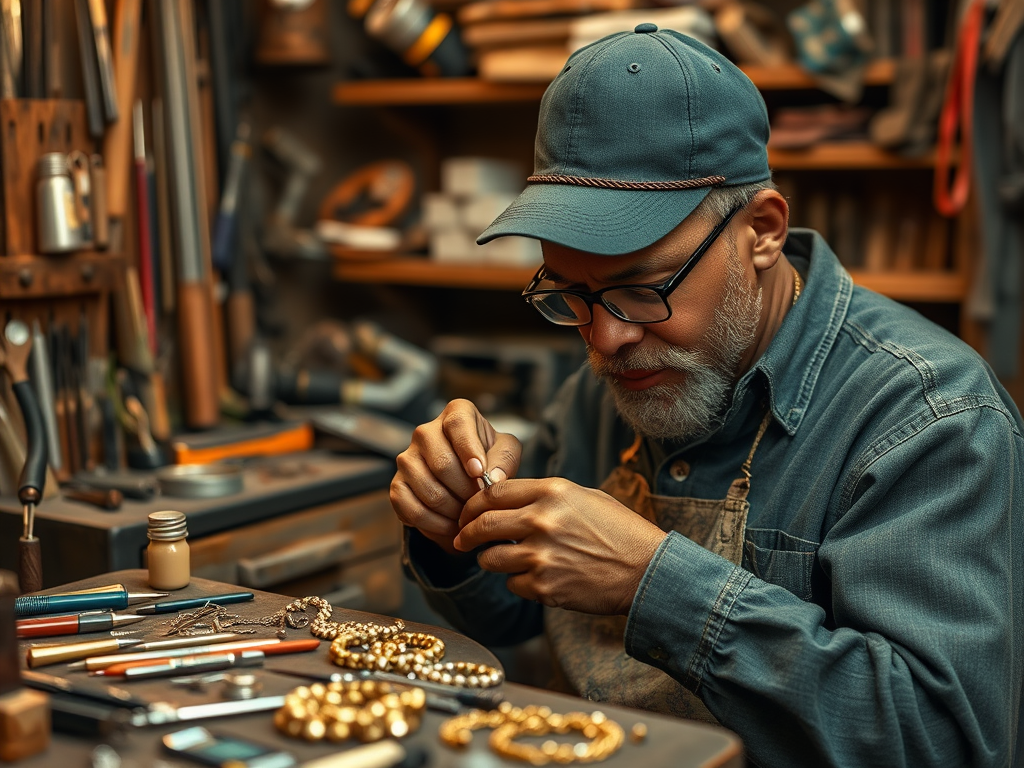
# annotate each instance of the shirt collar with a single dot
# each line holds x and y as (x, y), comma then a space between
(794, 358)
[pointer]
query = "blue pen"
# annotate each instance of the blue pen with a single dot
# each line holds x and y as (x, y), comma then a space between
(114, 596)
(193, 602)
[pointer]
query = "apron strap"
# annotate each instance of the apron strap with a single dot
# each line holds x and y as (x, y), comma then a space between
(757, 441)
(627, 455)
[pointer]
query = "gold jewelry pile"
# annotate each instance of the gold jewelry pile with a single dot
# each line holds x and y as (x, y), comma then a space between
(366, 710)
(392, 649)
(508, 722)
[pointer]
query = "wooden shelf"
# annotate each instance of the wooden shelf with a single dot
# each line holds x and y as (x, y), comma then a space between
(469, 90)
(413, 270)
(849, 155)
(936, 287)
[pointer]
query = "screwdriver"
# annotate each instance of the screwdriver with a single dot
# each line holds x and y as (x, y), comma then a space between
(74, 624)
(112, 596)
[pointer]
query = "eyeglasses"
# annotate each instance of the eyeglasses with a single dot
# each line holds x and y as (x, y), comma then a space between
(631, 303)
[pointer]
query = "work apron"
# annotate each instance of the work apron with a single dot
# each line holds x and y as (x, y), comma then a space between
(588, 650)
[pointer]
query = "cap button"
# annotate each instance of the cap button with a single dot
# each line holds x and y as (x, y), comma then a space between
(646, 28)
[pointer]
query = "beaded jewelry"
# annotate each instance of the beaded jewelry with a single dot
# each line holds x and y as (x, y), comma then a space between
(365, 710)
(605, 736)
(392, 649)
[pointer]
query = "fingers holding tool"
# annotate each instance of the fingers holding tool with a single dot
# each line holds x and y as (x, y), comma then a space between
(442, 468)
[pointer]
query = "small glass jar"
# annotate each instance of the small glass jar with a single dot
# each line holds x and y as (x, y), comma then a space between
(168, 553)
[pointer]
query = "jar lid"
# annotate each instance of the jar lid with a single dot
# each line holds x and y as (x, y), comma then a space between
(53, 164)
(167, 525)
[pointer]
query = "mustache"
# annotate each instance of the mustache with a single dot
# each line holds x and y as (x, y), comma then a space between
(658, 357)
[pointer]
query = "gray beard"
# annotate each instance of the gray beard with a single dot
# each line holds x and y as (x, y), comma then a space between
(693, 407)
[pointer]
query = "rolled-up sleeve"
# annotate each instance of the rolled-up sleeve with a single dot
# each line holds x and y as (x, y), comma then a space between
(918, 659)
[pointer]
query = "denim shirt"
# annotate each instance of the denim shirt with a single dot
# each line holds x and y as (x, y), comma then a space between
(877, 618)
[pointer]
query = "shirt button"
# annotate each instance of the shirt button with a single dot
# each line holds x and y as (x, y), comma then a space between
(679, 470)
(657, 653)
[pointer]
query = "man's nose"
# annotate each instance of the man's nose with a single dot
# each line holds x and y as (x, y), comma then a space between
(607, 334)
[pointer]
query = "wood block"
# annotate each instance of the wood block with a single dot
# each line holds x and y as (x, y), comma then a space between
(30, 129)
(24, 724)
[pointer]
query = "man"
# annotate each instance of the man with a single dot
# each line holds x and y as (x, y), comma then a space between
(772, 499)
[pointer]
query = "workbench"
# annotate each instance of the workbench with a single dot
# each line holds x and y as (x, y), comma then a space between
(305, 523)
(669, 741)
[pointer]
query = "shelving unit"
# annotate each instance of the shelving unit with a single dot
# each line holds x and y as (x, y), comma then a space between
(949, 286)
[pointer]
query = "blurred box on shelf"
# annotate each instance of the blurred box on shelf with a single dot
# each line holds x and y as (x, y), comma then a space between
(470, 176)
(440, 211)
(479, 211)
(512, 252)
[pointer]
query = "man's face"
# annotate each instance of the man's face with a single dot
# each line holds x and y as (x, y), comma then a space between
(671, 380)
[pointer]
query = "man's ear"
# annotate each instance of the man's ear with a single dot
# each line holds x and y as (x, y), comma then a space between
(769, 223)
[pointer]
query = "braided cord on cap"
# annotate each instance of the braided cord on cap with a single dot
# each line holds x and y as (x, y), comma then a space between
(647, 186)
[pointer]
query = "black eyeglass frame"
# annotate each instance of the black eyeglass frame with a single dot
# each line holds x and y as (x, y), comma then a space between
(664, 290)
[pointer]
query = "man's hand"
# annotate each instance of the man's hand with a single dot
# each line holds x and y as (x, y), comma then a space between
(575, 547)
(442, 467)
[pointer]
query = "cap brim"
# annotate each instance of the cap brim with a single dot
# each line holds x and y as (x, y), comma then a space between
(594, 220)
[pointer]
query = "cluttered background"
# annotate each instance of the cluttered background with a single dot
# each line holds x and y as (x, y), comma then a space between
(242, 233)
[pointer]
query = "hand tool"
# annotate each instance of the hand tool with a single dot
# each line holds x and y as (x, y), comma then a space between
(219, 642)
(42, 382)
(149, 455)
(74, 624)
(54, 85)
(41, 655)
(14, 352)
(224, 227)
(207, 663)
(101, 222)
(104, 58)
(171, 606)
(10, 20)
(143, 227)
(90, 74)
(131, 485)
(87, 689)
(117, 148)
(109, 499)
(32, 37)
(195, 310)
(114, 596)
(70, 395)
(163, 209)
(282, 237)
(439, 696)
(135, 659)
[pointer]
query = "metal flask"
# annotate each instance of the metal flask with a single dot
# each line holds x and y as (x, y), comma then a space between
(59, 225)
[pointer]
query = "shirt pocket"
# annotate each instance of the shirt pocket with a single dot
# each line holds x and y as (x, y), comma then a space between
(779, 558)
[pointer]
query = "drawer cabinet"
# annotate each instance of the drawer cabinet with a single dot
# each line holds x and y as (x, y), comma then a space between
(346, 551)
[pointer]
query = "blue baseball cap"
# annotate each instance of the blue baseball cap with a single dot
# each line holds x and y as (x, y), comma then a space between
(633, 133)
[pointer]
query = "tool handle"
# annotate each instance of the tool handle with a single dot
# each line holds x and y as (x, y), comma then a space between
(202, 409)
(30, 565)
(33, 474)
(35, 604)
(287, 646)
(172, 606)
(48, 627)
(109, 499)
(145, 252)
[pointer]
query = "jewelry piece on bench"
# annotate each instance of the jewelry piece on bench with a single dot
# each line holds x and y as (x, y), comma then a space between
(392, 649)
(606, 736)
(367, 710)
(215, 618)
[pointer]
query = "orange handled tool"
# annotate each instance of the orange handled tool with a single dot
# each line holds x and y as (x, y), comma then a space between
(271, 649)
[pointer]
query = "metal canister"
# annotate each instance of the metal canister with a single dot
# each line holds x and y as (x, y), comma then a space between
(59, 224)
(424, 39)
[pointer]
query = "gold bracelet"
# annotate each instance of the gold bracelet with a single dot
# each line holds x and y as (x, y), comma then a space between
(605, 736)
(367, 710)
(392, 649)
